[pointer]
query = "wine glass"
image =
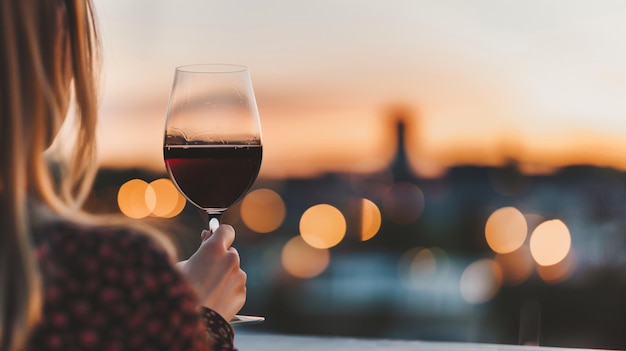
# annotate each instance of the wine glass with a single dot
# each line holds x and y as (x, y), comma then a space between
(212, 146)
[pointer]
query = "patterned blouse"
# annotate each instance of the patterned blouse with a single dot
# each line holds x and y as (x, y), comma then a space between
(114, 289)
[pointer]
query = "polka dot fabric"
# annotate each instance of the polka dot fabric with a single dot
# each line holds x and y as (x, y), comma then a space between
(113, 289)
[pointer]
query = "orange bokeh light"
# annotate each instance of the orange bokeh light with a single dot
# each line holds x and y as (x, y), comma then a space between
(322, 226)
(517, 266)
(371, 219)
(138, 199)
(168, 201)
(506, 230)
(131, 198)
(550, 242)
(559, 271)
(263, 210)
(303, 261)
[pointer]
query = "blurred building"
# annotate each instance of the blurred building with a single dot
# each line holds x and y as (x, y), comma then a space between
(427, 270)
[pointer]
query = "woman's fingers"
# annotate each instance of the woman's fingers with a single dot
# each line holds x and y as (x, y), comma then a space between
(215, 273)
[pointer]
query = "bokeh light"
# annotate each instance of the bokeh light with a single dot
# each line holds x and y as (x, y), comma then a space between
(506, 230)
(138, 199)
(517, 266)
(322, 226)
(418, 264)
(168, 202)
(550, 242)
(371, 219)
(557, 272)
(480, 281)
(263, 210)
(403, 203)
(132, 198)
(303, 261)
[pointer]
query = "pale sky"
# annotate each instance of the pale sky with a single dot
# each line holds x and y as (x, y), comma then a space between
(544, 78)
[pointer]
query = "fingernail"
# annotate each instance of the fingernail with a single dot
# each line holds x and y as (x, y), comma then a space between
(213, 224)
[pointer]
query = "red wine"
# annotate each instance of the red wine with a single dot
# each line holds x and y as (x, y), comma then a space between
(213, 176)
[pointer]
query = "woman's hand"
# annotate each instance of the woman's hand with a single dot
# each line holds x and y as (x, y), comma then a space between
(214, 273)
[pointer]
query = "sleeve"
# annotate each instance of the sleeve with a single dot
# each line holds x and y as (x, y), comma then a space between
(220, 330)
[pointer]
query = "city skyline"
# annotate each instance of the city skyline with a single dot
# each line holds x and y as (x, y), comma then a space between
(441, 250)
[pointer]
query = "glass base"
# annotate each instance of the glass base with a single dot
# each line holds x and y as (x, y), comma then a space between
(239, 320)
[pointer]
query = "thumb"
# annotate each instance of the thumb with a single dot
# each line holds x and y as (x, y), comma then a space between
(225, 234)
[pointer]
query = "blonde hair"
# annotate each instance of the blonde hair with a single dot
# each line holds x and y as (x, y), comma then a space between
(34, 94)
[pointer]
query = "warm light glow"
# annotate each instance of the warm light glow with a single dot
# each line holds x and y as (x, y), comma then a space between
(150, 198)
(480, 281)
(322, 226)
(506, 230)
(557, 272)
(517, 266)
(132, 196)
(370, 219)
(263, 210)
(403, 203)
(138, 199)
(168, 201)
(550, 242)
(303, 261)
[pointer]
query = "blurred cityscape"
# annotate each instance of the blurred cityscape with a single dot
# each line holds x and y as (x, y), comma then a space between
(480, 254)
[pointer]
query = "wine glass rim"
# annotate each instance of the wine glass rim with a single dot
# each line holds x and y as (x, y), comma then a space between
(212, 68)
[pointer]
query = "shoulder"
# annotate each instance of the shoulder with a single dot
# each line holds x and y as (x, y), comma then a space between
(89, 260)
(90, 245)
(110, 283)
(58, 230)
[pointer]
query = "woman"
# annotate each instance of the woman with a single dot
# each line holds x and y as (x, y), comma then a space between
(69, 280)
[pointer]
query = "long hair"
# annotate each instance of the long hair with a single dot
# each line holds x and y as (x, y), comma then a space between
(48, 52)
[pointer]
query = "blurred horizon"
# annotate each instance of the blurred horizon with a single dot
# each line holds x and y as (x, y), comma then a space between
(392, 255)
(481, 82)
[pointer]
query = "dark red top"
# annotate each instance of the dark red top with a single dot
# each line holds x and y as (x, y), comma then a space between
(114, 289)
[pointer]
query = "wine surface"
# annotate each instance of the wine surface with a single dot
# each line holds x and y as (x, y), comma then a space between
(213, 177)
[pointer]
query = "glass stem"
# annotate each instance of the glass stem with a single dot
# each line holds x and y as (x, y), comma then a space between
(214, 221)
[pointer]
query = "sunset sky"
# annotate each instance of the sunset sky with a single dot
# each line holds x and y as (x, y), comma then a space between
(541, 81)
